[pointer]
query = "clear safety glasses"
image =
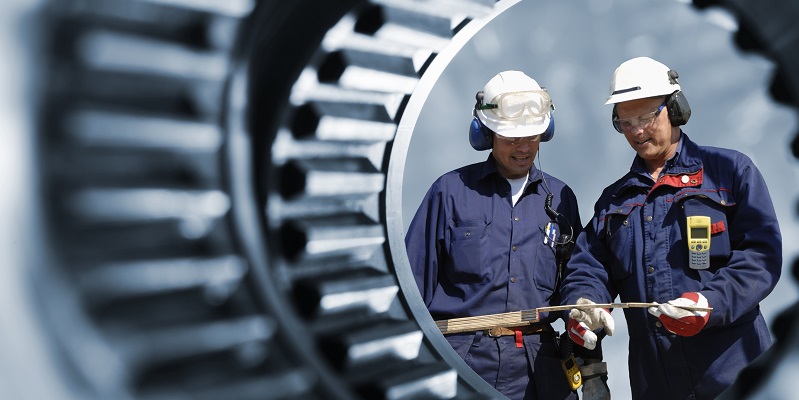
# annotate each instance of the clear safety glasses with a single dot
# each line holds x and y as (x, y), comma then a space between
(633, 124)
(513, 105)
(515, 141)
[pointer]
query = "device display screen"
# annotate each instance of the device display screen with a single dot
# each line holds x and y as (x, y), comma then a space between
(699, 232)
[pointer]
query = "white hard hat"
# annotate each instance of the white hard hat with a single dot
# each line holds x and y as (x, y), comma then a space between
(640, 78)
(529, 124)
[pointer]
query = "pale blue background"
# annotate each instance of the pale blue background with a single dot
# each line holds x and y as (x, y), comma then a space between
(572, 48)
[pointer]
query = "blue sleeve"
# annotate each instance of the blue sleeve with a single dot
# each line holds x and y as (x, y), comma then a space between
(424, 240)
(571, 209)
(755, 261)
(585, 274)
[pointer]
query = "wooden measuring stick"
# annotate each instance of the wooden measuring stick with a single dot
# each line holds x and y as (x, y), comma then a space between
(527, 317)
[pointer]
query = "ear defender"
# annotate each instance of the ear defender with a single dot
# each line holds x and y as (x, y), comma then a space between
(549, 133)
(614, 118)
(678, 108)
(481, 138)
(677, 104)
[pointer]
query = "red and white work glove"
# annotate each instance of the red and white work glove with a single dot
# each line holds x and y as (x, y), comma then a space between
(679, 320)
(582, 323)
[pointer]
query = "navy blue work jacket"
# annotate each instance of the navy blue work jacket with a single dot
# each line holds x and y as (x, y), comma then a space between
(473, 253)
(635, 247)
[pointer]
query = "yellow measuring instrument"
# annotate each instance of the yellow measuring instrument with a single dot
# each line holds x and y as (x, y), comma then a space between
(527, 317)
(698, 242)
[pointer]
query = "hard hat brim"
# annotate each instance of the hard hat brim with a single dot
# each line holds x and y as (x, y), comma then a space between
(514, 128)
(639, 94)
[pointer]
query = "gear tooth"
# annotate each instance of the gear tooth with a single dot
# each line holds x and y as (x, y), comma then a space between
(372, 71)
(329, 178)
(111, 281)
(193, 27)
(114, 205)
(433, 17)
(350, 236)
(326, 296)
(122, 52)
(108, 129)
(288, 383)
(371, 343)
(795, 152)
(701, 4)
(356, 104)
(407, 25)
(136, 92)
(173, 344)
(436, 381)
(746, 40)
(232, 8)
(408, 65)
(308, 123)
(781, 84)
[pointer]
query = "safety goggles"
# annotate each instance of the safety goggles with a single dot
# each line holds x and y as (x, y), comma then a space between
(633, 124)
(513, 105)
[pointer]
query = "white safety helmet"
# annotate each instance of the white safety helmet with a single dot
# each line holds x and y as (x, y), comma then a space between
(639, 78)
(514, 105)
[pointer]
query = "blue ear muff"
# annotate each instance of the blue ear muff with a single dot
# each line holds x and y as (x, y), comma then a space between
(550, 132)
(479, 136)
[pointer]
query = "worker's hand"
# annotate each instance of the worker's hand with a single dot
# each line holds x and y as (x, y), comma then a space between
(595, 380)
(679, 320)
(582, 323)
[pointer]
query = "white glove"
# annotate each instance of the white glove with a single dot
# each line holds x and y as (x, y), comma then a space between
(582, 323)
(595, 377)
(679, 320)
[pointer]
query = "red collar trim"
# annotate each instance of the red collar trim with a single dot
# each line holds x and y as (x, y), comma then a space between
(681, 180)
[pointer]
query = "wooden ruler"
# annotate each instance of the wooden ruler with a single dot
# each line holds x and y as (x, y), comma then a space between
(527, 317)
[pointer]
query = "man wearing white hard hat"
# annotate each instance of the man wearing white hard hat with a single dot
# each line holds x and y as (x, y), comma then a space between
(690, 229)
(487, 239)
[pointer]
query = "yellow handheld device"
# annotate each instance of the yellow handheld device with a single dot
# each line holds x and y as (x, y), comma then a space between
(572, 371)
(698, 242)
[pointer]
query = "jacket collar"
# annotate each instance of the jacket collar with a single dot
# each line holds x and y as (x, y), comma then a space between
(686, 162)
(490, 168)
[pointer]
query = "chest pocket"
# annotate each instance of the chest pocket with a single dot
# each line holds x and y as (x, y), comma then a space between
(468, 248)
(546, 267)
(616, 228)
(715, 205)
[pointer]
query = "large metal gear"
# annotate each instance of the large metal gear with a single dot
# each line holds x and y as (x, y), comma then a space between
(221, 186)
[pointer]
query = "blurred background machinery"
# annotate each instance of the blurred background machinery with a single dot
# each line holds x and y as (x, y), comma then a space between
(202, 197)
